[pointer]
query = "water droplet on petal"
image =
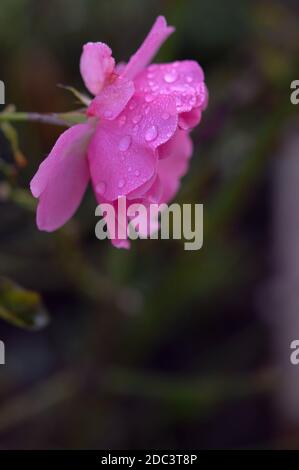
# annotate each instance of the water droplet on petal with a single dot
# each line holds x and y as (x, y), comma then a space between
(121, 183)
(130, 168)
(122, 120)
(192, 100)
(165, 116)
(137, 173)
(149, 98)
(101, 187)
(107, 114)
(151, 134)
(189, 79)
(170, 77)
(124, 143)
(136, 118)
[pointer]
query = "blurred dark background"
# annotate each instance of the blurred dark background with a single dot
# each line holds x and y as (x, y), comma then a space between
(156, 347)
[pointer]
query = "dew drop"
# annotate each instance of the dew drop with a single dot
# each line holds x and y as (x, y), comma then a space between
(101, 187)
(107, 114)
(129, 169)
(136, 118)
(165, 116)
(149, 98)
(170, 77)
(122, 120)
(151, 134)
(189, 79)
(121, 183)
(137, 173)
(192, 100)
(124, 143)
(132, 105)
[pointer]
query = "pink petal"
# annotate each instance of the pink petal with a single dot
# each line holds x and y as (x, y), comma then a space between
(110, 102)
(120, 67)
(122, 153)
(62, 177)
(183, 80)
(143, 189)
(190, 119)
(96, 65)
(174, 163)
(152, 43)
(155, 192)
(112, 226)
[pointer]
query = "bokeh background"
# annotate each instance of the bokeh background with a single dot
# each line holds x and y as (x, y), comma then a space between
(155, 347)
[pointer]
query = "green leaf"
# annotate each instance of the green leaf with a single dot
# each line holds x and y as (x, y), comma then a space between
(21, 307)
(84, 99)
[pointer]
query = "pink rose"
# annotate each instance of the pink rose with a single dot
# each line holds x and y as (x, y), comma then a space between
(135, 142)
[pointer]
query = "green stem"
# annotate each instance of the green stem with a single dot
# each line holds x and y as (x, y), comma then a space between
(36, 117)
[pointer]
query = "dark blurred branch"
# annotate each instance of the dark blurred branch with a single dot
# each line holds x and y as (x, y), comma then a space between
(202, 395)
(39, 399)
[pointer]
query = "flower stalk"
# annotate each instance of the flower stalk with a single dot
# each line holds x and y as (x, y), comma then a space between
(61, 119)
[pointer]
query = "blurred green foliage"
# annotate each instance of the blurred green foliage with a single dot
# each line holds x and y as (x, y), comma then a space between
(152, 347)
(21, 307)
